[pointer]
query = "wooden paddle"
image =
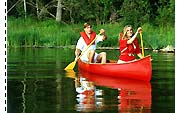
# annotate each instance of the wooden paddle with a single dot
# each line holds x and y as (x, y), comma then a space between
(72, 64)
(142, 44)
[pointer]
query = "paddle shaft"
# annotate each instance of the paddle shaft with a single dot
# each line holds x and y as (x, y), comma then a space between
(142, 47)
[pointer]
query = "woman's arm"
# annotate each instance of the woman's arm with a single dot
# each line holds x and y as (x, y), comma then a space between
(134, 36)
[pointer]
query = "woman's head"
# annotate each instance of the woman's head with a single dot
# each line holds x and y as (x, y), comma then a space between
(128, 31)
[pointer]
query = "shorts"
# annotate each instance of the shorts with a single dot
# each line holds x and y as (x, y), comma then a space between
(84, 57)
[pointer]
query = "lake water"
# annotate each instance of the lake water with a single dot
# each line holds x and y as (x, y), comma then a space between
(37, 83)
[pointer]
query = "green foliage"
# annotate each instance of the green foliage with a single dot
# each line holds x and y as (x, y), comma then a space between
(166, 13)
(134, 12)
(48, 33)
(158, 37)
(112, 32)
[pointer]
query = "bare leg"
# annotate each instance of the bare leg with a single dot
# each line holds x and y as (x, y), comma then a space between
(91, 56)
(102, 57)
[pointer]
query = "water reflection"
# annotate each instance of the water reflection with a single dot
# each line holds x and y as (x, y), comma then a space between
(132, 96)
(37, 84)
(137, 101)
(89, 98)
(23, 93)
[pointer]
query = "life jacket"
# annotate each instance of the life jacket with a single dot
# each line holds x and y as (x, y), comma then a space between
(127, 50)
(87, 39)
(130, 47)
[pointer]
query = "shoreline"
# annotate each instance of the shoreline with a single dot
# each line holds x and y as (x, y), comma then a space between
(167, 50)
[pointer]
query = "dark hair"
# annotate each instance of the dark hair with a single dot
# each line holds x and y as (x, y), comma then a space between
(87, 24)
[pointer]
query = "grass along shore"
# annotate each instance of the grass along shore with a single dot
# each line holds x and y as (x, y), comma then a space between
(33, 33)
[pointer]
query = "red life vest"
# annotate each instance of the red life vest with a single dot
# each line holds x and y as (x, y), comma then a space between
(87, 39)
(127, 50)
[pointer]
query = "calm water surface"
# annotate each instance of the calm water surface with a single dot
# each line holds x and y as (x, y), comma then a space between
(37, 83)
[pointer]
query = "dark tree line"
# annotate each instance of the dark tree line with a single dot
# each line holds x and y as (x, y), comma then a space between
(137, 12)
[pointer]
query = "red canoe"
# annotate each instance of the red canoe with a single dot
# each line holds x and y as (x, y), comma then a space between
(139, 70)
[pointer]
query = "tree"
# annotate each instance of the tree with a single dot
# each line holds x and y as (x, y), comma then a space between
(166, 12)
(73, 8)
(59, 11)
(24, 7)
(106, 11)
(134, 12)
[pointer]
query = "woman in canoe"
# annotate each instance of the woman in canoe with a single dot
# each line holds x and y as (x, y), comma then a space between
(87, 37)
(129, 45)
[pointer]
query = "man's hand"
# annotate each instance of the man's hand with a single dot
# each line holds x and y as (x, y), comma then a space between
(102, 31)
(76, 58)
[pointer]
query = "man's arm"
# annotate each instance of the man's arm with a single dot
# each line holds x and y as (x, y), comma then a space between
(77, 53)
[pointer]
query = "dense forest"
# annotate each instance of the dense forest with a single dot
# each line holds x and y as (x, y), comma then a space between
(158, 13)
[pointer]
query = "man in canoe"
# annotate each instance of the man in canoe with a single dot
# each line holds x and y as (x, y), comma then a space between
(87, 45)
(129, 45)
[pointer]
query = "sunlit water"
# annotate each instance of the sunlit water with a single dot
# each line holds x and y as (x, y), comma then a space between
(37, 83)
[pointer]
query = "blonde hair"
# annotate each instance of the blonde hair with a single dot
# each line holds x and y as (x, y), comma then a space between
(124, 30)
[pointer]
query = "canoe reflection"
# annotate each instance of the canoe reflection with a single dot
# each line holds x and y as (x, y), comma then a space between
(133, 96)
(89, 98)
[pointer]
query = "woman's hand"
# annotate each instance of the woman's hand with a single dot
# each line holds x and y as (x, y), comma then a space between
(139, 30)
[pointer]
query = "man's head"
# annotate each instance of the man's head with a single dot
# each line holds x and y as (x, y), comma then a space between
(87, 28)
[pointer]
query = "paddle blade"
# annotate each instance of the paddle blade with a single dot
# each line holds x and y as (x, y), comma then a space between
(70, 73)
(71, 65)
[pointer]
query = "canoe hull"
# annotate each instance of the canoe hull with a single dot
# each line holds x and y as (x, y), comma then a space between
(140, 69)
